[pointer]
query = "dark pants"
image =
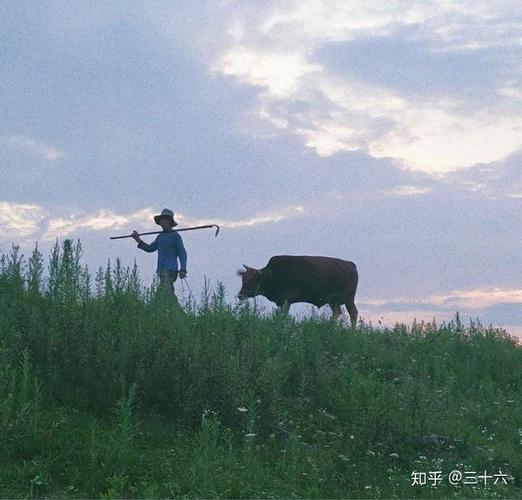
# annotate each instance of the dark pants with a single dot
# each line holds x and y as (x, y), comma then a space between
(167, 279)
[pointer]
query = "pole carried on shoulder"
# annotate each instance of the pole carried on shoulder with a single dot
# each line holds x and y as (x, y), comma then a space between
(176, 230)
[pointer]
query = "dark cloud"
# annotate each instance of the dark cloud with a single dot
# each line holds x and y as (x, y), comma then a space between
(503, 314)
(411, 66)
(500, 178)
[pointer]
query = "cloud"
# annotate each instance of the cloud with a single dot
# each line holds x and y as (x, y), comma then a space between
(493, 180)
(497, 306)
(22, 220)
(280, 73)
(476, 300)
(34, 148)
(298, 94)
(479, 298)
(506, 314)
(60, 227)
(262, 218)
(407, 190)
(454, 25)
(19, 219)
(511, 89)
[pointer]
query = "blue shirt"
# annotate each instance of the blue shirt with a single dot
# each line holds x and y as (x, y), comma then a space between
(170, 247)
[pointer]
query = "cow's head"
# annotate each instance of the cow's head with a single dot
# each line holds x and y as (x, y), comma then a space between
(251, 282)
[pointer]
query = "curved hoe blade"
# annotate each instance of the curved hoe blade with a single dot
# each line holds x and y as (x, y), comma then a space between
(217, 230)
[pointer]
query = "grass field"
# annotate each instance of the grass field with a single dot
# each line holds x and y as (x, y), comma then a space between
(110, 390)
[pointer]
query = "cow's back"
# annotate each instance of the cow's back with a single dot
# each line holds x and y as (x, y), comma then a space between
(314, 279)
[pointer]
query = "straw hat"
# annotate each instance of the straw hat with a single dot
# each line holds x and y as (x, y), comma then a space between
(168, 214)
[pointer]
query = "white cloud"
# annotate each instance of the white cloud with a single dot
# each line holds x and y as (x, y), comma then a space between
(22, 220)
(452, 24)
(272, 50)
(280, 73)
(442, 307)
(479, 298)
(434, 140)
(34, 148)
(407, 190)
(18, 220)
(511, 89)
(60, 227)
(470, 300)
(272, 217)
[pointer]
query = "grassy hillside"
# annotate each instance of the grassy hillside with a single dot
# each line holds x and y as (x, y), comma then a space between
(109, 390)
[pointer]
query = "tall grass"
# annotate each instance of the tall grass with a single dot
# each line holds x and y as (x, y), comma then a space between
(112, 389)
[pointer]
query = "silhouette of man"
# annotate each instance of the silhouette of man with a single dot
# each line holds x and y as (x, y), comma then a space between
(170, 248)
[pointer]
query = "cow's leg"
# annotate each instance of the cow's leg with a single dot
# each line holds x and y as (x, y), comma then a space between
(352, 311)
(336, 310)
(284, 308)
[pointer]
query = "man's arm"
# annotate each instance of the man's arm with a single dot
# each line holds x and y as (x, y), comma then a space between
(182, 254)
(145, 246)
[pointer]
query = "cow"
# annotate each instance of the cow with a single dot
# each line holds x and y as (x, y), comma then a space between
(288, 279)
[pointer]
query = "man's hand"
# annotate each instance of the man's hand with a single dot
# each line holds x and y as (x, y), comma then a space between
(182, 275)
(136, 236)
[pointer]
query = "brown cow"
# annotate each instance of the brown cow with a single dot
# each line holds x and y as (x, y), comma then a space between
(288, 279)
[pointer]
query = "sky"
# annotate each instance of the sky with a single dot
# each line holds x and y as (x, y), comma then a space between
(385, 133)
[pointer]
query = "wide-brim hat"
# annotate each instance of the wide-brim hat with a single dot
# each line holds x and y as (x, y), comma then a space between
(166, 214)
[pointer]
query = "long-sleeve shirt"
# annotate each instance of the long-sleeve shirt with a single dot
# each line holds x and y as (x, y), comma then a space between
(170, 247)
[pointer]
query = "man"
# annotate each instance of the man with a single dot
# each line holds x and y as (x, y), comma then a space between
(170, 247)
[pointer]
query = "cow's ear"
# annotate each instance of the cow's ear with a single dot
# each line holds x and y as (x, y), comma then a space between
(240, 272)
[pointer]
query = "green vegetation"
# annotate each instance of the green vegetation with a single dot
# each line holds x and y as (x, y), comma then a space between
(108, 389)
